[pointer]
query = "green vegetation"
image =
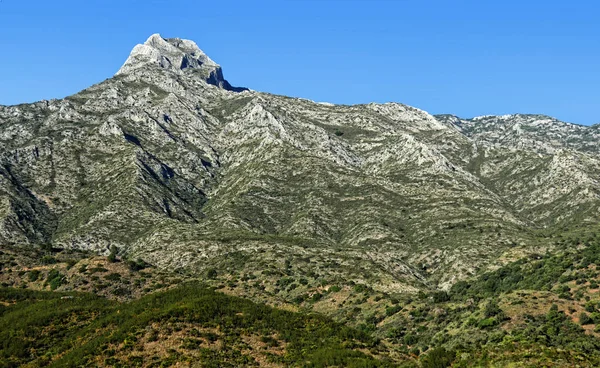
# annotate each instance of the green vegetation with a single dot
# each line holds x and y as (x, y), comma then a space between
(112, 257)
(529, 312)
(55, 279)
(545, 304)
(137, 265)
(537, 272)
(41, 328)
(34, 275)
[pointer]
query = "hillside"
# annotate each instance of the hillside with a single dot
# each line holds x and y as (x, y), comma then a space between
(170, 163)
(380, 216)
(543, 310)
(183, 325)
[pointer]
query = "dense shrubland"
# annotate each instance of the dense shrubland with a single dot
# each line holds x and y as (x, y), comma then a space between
(540, 310)
(77, 329)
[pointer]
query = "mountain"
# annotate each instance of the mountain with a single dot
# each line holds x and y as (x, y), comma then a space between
(545, 168)
(425, 241)
(169, 163)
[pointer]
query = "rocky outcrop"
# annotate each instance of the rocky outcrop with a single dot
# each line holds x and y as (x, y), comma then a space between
(171, 164)
(178, 56)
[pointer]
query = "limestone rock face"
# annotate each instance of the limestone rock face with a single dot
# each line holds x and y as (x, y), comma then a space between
(176, 55)
(171, 164)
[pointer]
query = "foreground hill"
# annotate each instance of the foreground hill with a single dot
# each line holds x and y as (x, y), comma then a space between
(540, 311)
(185, 326)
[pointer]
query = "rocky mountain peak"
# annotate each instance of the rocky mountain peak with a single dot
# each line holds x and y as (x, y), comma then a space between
(176, 55)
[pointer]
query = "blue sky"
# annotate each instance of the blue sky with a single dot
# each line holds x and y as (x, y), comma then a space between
(463, 57)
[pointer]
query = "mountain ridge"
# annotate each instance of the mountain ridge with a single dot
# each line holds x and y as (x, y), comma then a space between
(168, 162)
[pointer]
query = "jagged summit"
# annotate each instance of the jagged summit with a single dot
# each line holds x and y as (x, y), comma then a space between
(177, 55)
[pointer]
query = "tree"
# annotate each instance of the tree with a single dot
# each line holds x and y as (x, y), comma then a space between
(492, 309)
(585, 319)
(440, 297)
(112, 257)
(438, 358)
(47, 247)
(137, 265)
(211, 273)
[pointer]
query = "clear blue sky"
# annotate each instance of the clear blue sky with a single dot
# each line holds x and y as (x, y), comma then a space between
(463, 57)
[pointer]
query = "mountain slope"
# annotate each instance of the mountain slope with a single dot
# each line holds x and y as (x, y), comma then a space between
(546, 168)
(168, 162)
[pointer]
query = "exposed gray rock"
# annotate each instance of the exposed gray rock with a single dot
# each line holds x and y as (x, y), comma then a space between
(171, 164)
(176, 55)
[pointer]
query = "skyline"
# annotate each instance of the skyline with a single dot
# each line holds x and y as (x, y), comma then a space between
(467, 59)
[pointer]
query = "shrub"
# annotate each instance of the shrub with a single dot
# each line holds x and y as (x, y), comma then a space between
(285, 281)
(71, 263)
(300, 299)
(359, 288)
(137, 265)
(590, 307)
(440, 297)
(585, 319)
(120, 292)
(410, 339)
(34, 275)
(48, 260)
(211, 273)
(55, 279)
(491, 309)
(269, 341)
(390, 311)
(438, 358)
(112, 257)
(113, 277)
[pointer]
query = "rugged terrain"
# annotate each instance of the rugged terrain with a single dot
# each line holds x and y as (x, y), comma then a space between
(540, 311)
(168, 162)
(284, 200)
